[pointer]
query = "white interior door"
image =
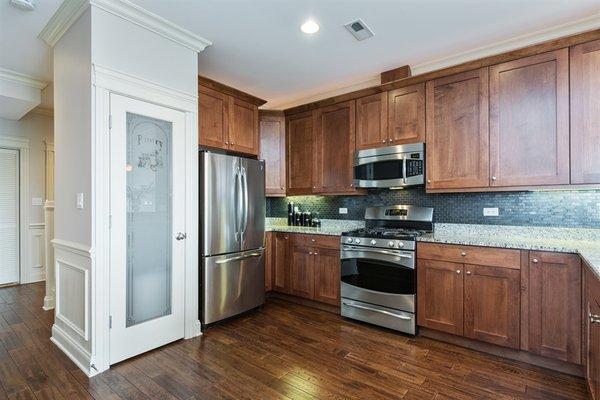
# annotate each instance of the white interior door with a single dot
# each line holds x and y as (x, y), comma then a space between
(147, 213)
(9, 216)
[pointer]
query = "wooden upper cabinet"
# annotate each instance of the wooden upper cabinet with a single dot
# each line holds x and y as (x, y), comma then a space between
(585, 113)
(529, 121)
(243, 126)
(371, 121)
(272, 150)
(554, 305)
(213, 117)
(457, 131)
(440, 296)
(327, 275)
(300, 145)
(335, 147)
(406, 115)
(492, 296)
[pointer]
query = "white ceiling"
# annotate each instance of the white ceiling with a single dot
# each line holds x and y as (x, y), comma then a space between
(258, 47)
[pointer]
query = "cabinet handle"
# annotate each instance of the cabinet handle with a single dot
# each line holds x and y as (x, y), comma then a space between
(468, 272)
(493, 178)
(594, 319)
(383, 141)
(283, 187)
(535, 261)
(310, 253)
(286, 238)
(428, 180)
(314, 187)
(463, 253)
(312, 240)
(458, 271)
(227, 143)
(316, 254)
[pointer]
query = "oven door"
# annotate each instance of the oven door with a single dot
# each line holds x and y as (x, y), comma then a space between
(378, 276)
(389, 170)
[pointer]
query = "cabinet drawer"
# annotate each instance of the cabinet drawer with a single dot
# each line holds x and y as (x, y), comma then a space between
(507, 258)
(330, 242)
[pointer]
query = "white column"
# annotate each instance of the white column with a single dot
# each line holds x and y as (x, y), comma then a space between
(49, 300)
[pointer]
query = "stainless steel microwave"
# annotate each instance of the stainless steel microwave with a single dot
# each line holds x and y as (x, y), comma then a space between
(389, 167)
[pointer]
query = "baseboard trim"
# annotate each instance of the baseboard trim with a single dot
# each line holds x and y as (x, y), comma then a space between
(77, 354)
(49, 303)
(511, 354)
(304, 302)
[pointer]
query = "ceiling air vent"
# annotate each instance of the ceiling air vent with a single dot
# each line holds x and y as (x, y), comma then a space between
(359, 29)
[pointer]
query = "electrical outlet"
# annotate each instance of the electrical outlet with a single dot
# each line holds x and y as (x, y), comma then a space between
(343, 210)
(490, 212)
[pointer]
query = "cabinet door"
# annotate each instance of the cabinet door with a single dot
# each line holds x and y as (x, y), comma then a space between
(492, 296)
(303, 271)
(280, 260)
(213, 118)
(335, 135)
(327, 276)
(371, 121)
(272, 150)
(457, 131)
(529, 121)
(300, 144)
(592, 332)
(440, 296)
(406, 115)
(585, 113)
(243, 126)
(269, 261)
(555, 305)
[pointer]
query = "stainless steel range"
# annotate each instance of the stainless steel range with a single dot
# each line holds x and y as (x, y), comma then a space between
(378, 282)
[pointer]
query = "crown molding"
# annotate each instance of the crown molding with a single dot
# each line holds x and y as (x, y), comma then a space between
(66, 15)
(570, 28)
(21, 79)
(70, 10)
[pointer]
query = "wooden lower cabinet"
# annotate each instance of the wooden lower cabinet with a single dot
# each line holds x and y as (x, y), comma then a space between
(440, 296)
(268, 261)
(592, 332)
(491, 304)
(279, 260)
(327, 275)
(306, 266)
(554, 306)
(302, 281)
(476, 301)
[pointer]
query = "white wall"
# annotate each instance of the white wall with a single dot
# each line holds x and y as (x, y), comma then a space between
(37, 128)
(128, 48)
(73, 138)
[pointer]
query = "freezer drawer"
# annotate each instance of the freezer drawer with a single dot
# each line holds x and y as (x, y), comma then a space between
(231, 284)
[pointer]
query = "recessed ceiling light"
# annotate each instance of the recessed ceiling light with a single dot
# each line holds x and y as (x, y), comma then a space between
(309, 27)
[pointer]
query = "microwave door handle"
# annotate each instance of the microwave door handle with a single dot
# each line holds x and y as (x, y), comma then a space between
(404, 169)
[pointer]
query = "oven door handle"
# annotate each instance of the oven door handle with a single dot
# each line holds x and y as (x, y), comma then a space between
(404, 169)
(402, 317)
(385, 252)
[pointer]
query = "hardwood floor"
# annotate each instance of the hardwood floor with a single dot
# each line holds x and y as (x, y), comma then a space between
(284, 351)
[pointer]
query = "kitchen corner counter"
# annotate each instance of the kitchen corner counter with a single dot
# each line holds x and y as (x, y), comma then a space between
(582, 241)
(333, 227)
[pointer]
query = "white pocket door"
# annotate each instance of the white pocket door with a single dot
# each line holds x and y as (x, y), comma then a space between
(147, 243)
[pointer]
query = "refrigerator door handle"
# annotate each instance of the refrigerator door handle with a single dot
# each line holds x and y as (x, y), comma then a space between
(237, 258)
(245, 198)
(237, 196)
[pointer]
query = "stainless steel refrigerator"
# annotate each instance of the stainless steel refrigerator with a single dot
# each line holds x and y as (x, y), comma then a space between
(232, 235)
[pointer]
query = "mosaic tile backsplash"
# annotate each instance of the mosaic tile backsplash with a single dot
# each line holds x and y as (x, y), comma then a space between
(540, 208)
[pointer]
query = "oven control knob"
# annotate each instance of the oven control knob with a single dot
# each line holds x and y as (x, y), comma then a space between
(391, 244)
(357, 241)
(349, 240)
(400, 244)
(373, 242)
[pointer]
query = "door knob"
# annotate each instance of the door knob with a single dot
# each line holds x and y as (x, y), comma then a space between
(181, 236)
(535, 261)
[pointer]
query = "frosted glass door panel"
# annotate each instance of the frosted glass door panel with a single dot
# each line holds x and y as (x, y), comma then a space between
(9, 216)
(149, 218)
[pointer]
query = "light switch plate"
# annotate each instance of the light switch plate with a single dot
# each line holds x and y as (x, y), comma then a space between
(80, 201)
(490, 212)
(36, 201)
(343, 210)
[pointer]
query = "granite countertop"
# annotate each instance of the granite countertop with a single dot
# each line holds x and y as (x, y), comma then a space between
(583, 241)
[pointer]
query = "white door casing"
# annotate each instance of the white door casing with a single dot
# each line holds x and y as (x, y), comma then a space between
(9, 216)
(129, 336)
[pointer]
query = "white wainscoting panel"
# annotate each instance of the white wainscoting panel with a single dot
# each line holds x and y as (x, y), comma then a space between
(72, 325)
(36, 237)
